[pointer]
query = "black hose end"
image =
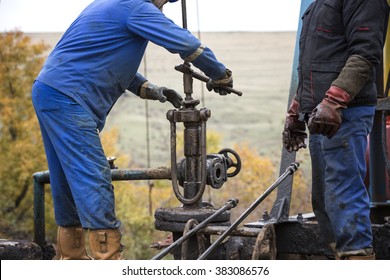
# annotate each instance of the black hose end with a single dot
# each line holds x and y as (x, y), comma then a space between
(293, 167)
(233, 202)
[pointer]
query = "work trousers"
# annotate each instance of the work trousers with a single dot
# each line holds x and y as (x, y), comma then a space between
(339, 197)
(80, 175)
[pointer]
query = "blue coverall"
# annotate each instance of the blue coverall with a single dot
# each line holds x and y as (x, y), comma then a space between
(95, 61)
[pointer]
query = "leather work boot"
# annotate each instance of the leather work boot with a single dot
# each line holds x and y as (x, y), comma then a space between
(365, 254)
(71, 243)
(367, 257)
(105, 244)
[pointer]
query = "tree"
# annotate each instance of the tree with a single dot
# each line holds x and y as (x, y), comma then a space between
(20, 140)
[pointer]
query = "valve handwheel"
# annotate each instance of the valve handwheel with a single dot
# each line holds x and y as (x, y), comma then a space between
(232, 162)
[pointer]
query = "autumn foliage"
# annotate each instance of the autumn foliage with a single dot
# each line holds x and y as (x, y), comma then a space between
(21, 146)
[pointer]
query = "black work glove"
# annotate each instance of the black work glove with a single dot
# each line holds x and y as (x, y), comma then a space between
(162, 94)
(294, 134)
(217, 85)
(325, 119)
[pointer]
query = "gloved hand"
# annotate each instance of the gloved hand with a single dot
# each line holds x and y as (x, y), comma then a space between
(217, 85)
(162, 94)
(325, 119)
(294, 134)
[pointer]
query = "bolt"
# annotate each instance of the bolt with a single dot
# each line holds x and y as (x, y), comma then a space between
(205, 114)
(170, 114)
(111, 162)
(266, 215)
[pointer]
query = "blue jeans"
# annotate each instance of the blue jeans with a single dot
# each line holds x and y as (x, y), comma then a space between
(339, 197)
(80, 175)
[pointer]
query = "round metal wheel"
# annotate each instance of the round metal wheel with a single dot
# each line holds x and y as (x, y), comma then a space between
(234, 161)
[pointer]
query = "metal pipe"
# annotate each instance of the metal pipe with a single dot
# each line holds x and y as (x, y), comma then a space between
(386, 61)
(158, 173)
(241, 231)
(184, 13)
(289, 171)
(231, 203)
(175, 184)
(43, 177)
(377, 163)
(39, 209)
(281, 208)
(193, 167)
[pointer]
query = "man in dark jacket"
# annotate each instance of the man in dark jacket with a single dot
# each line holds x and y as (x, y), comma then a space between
(95, 61)
(340, 46)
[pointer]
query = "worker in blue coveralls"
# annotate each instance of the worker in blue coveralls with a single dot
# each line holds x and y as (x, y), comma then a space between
(341, 45)
(95, 61)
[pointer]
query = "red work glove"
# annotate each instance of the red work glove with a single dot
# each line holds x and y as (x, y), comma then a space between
(294, 134)
(325, 119)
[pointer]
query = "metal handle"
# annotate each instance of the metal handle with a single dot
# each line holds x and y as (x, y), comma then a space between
(186, 70)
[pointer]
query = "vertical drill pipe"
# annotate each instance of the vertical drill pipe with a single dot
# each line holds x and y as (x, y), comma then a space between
(386, 59)
(192, 153)
(231, 203)
(378, 162)
(196, 166)
(281, 207)
(289, 171)
(184, 199)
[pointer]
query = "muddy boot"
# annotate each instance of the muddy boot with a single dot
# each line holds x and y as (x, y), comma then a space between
(363, 254)
(71, 243)
(366, 257)
(105, 244)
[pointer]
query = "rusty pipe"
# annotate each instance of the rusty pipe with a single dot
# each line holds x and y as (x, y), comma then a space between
(158, 173)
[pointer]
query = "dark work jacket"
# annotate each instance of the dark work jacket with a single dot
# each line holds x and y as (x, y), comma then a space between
(332, 31)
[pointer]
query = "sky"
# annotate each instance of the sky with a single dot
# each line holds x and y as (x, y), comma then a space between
(214, 15)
